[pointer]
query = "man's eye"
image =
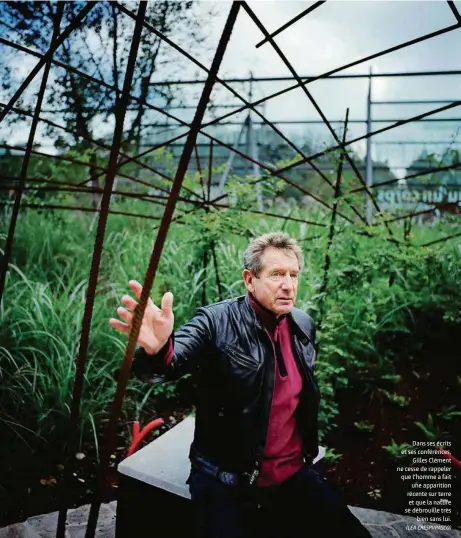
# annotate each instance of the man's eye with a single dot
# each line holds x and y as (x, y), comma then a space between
(294, 275)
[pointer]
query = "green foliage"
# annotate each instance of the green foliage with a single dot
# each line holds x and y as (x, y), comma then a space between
(431, 430)
(331, 457)
(375, 293)
(397, 451)
(364, 426)
(448, 413)
(396, 399)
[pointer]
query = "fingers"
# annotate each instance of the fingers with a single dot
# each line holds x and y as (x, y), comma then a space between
(129, 302)
(137, 290)
(167, 305)
(124, 314)
(136, 287)
(119, 325)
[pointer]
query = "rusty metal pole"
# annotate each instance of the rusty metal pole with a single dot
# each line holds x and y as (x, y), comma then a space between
(111, 432)
(25, 163)
(99, 240)
(331, 232)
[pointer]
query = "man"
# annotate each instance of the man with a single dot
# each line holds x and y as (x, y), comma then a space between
(257, 402)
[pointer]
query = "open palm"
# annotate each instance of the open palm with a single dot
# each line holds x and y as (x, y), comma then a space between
(157, 323)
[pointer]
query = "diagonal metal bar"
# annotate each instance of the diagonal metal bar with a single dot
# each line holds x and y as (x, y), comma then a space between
(331, 233)
(454, 10)
(347, 66)
(101, 145)
(210, 170)
(272, 172)
(199, 170)
(373, 133)
(312, 100)
(441, 240)
(86, 209)
(98, 245)
(424, 172)
(84, 163)
(84, 75)
(292, 21)
(143, 154)
(110, 437)
(25, 163)
(57, 186)
(285, 78)
(47, 57)
(247, 104)
(416, 213)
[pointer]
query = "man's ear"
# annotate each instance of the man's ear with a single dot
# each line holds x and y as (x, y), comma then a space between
(248, 279)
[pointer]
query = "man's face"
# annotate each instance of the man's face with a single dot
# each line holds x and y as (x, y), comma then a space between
(277, 283)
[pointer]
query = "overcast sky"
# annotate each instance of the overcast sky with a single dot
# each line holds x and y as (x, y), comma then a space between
(339, 32)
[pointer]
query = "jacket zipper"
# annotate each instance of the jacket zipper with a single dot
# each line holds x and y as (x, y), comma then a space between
(260, 454)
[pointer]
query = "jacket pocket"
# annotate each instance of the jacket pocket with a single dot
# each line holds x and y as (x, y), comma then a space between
(241, 358)
(244, 377)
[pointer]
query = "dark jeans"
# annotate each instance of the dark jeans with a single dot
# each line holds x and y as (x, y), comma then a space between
(304, 505)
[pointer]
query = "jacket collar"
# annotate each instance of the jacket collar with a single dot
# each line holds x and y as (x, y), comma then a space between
(293, 317)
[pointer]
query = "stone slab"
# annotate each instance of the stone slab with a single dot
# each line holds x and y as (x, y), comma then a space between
(164, 463)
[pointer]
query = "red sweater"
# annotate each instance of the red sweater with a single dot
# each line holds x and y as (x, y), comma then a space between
(283, 456)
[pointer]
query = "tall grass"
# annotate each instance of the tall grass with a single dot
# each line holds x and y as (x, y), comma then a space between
(374, 290)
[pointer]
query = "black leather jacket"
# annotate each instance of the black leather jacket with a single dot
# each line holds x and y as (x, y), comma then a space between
(233, 356)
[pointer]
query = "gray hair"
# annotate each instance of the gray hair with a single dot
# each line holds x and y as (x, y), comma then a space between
(281, 240)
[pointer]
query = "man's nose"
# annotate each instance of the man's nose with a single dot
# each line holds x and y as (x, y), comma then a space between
(287, 282)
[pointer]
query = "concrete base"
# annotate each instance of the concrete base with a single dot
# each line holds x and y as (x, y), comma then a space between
(153, 494)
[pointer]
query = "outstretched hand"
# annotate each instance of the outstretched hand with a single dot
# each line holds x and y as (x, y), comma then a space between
(157, 323)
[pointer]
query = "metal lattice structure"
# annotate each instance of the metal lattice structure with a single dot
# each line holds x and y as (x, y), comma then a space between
(118, 158)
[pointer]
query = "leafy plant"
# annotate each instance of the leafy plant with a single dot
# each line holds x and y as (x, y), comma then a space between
(364, 426)
(331, 457)
(400, 401)
(397, 451)
(431, 430)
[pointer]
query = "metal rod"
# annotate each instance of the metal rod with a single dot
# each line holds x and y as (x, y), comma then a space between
(85, 209)
(85, 163)
(312, 100)
(104, 146)
(414, 102)
(440, 73)
(374, 133)
(369, 159)
(441, 240)
(210, 171)
(247, 104)
(315, 122)
(331, 231)
(216, 271)
(45, 60)
(199, 170)
(111, 432)
(292, 21)
(5, 260)
(410, 176)
(96, 261)
(454, 11)
(415, 213)
(328, 74)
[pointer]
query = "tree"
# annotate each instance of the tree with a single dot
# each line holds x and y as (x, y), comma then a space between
(99, 47)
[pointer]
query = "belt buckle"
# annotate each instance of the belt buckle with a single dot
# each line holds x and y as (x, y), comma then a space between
(227, 478)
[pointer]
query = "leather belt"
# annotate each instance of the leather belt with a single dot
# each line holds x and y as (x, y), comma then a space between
(226, 477)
